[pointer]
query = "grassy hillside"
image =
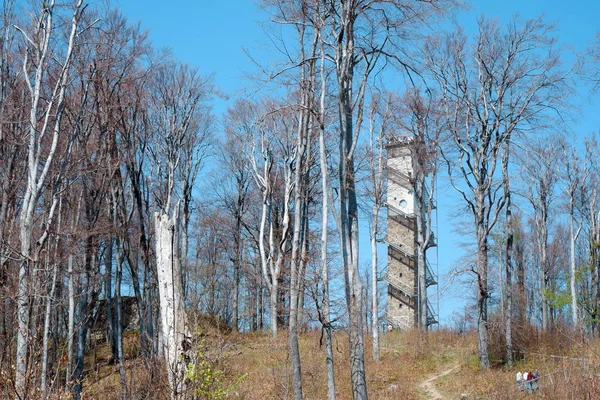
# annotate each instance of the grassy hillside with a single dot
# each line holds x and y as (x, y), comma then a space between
(254, 366)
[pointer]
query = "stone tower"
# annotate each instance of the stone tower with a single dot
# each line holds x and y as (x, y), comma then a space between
(407, 278)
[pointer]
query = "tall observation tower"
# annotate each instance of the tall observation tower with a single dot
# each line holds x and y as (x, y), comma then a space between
(409, 273)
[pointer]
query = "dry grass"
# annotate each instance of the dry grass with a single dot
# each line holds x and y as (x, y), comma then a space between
(569, 366)
(407, 358)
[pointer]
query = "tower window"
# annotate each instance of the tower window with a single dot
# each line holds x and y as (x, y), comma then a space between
(399, 305)
(401, 274)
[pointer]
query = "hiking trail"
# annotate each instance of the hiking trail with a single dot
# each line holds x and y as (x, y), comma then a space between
(428, 385)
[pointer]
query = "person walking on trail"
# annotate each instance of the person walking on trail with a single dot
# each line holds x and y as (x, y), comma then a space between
(520, 380)
(529, 381)
(536, 380)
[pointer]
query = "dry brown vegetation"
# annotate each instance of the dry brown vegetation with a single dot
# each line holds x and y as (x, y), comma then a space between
(406, 359)
(569, 367)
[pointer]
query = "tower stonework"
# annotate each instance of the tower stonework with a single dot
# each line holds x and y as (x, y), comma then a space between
(405, 304)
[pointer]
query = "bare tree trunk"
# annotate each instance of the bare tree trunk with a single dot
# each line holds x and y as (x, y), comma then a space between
(575, 177)
(119, 318)
(595, 253)
(374, 291)
(120, 225)
(357, 356)
(84, 317)
(49, 302)
(144, 300)
(110, 321)
(274, 291)
(296, 247)
(71, 320)
(573, 287)
(235, 307)
(595, 259)
(423, 202)
(23, 320)
(186, 215)
(421, 277)
(509, 249)
(304, 255)
(545, 276)
(326, 317)
(574, 233)
(236, 270)
(482, 284)
(293, 329)
(36, 177)
(348, 207)
(270, 268)
(520, 278)
(259, 305)
(175, 332)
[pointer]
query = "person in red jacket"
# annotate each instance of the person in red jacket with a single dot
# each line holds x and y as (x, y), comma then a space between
(529, 381)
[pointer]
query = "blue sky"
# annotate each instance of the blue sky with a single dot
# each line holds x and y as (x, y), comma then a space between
(212, 36)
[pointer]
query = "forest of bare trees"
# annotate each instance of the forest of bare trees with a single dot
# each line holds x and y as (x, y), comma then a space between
(119, 184)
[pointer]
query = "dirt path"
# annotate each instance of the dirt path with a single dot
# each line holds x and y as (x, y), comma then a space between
(429, 387)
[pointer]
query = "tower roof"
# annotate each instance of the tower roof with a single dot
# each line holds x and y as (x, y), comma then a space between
(396, 140)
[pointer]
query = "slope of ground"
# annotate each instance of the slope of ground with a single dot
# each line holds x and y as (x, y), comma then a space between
(406, 360)
(437, 365)
(428, 385)
(264, 365)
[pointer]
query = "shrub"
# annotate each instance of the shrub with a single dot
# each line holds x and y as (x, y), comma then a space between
(205, 376)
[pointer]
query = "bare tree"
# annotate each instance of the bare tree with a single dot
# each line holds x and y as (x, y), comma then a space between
(232, 193)
(12, 150)
(380, 113)
(509, 250)
(267, 127)
(324, 312)
(503, 83)
(575, 174)
(46, 110)
(593, 216)
(593, 60)
(389, 25)
(135, 135)
(308, 58)
(179, 93)
(538, 162)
